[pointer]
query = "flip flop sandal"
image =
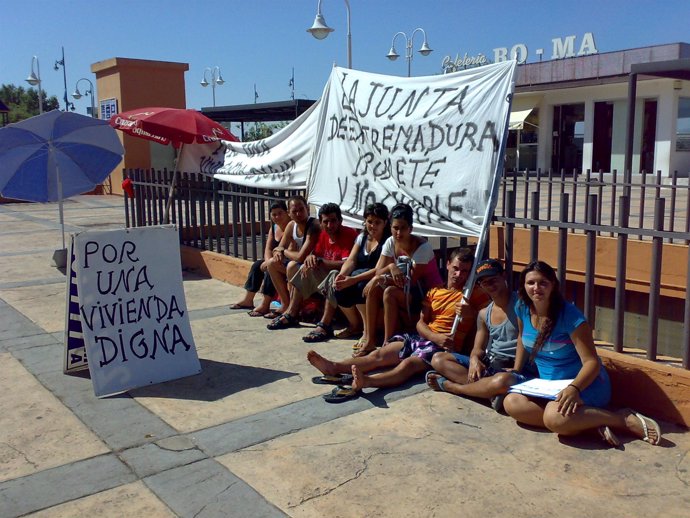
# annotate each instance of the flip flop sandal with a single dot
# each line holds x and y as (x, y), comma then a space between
(319, 336)
(647, 424)
(254, 313)
(341, 379)
(340, 394)
(607, 434)
(283, 322)
(357, 346)
(439, 380)
(240, 306)
(347, 333)
(272, 315)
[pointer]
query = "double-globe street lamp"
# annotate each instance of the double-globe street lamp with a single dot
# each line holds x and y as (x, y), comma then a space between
(320, 29)
(216, 79)
(34, 79)
(424, 50)
(78, 95)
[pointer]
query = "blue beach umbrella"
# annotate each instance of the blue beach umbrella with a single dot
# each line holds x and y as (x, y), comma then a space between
(56, 155)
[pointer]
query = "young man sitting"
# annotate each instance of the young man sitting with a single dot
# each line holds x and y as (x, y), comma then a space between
(298, 241)
(331, 251)
(412, 354)
(485, 372)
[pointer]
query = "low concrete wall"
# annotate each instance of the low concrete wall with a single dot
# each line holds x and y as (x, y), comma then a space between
(218, 266)
(649, 387)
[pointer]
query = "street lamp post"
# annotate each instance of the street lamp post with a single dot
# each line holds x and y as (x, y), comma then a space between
(424, 50)
(78, 95)
(216, 79)
(320, 29)
(34, 79)
(61, 63)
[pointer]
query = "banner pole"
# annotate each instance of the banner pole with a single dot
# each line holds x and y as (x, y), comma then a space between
(491, 206)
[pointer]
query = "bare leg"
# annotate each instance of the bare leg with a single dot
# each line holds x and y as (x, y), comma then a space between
(248, 299)
(447, 365)
(384, 357)
(392, 378)
(373, 304)
(362, 310)
(277, 272)
(353, 321)
(326, 318)
(525, 410)
(393, 302)
(485, 388)
(586, 418)
(296, 298)
(265, 304)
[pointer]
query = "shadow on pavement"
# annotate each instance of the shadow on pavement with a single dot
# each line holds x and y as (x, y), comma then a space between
(216, 381)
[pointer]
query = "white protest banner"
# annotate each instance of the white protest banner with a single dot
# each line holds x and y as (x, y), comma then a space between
(434, 142)
(133, 311)
(281, 161)
(201, 158)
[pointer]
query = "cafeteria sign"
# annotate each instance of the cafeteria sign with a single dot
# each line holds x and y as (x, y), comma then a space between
(132, 308)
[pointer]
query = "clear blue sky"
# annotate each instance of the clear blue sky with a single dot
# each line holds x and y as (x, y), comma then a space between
(260, 41)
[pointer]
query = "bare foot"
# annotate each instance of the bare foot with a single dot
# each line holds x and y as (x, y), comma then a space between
(243, 304)
(360, 349)
(432, 379)
(643, 427)
(326, 367)
(358, 379)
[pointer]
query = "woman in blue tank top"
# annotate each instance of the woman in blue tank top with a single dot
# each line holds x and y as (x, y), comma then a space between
(555, 335)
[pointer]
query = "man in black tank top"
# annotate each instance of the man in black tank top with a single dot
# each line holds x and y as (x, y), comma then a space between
(333, 246)
(298, 241)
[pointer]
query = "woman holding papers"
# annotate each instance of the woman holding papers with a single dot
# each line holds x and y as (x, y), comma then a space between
(555, 335)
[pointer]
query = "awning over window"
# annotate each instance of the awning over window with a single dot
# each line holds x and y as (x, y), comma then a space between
(517, 119)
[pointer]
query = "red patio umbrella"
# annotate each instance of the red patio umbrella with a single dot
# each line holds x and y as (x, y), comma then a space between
(174, 126)
(170, 125)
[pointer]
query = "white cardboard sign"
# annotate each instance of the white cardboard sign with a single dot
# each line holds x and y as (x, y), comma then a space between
(132, 307)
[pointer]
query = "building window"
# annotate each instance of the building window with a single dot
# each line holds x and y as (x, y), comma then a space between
(523, 142)
(683, 125)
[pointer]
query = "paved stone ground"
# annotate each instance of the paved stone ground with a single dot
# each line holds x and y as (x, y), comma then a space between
(251, 436)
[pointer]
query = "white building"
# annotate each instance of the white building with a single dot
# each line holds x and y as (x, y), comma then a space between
(572, 113)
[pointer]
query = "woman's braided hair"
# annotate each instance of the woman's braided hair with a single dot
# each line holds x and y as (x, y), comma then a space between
(555, 302)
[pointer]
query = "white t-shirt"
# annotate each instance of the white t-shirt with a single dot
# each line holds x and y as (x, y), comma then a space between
(422, 255)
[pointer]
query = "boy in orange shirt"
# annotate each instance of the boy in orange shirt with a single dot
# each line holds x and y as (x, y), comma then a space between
(411, 354)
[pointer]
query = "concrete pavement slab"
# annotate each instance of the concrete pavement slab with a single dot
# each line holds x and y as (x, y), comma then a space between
(44, 304)
(119, 421)
(38, 433)
(14, 325)
(31, 242)
(133, 499)
(161, 455)
(202, 293)
(62, 484)
(26, 342)
(15, 225)
(438, 455)
(27, 267)
(240, 374)
(206, 489)
(267, 425)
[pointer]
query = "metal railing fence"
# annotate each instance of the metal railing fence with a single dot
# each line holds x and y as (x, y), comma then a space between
(232, 220)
